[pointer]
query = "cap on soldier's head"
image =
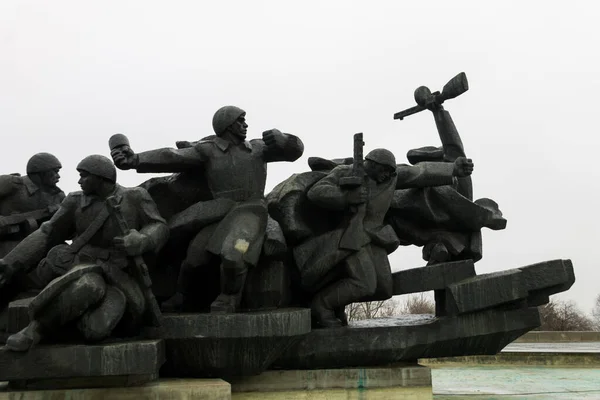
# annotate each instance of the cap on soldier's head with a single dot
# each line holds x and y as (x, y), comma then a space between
(100, 166)
(41, 162)
(383, 157)
(224, 117)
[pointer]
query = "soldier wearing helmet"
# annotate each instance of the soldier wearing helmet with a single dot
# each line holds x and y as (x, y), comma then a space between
(26, 202)
(22, 196)
(98, 243)
(236, 171)
(339, 272)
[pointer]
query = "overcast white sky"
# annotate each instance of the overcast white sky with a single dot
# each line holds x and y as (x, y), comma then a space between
(72, 73)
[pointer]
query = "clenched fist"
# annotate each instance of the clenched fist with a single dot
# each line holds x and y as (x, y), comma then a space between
(463, 167)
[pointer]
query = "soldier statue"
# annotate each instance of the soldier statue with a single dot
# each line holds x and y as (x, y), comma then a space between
(236, 171)
(26, 202)
(95, 281)
(445, 220)
(349, 264)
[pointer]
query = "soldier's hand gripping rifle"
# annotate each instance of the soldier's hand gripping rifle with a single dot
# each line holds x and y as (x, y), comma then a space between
(140, 271)
(354, 236)
(424, 98)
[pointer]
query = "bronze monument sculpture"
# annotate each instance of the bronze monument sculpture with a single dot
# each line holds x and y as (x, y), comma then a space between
(202, 274)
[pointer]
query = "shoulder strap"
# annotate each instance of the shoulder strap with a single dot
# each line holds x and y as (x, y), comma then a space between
(91, 230)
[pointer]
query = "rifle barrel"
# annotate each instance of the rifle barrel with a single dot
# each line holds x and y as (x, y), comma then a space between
(409, 111)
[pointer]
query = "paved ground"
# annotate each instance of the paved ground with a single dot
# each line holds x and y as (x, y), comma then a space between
(515, 383)
(520, 382)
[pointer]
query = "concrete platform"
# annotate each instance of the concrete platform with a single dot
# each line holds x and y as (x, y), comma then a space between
(399, 381)
(578, 354)
(341, 394)
(559, 336)
(174, 389)
(509, 383)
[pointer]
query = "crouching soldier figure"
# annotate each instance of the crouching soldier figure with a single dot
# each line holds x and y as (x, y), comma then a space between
(93, 282)
(350, 264)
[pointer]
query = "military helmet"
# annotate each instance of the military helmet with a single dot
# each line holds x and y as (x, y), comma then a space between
(42, 162)
(224, 117)
(383, 157)
(100, 166)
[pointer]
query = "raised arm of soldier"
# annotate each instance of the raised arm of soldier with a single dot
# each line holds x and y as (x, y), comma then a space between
(281, 146)
(160, 160)
(426, 174)
(328, 193)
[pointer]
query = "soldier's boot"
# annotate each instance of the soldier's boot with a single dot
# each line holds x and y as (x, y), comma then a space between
(328, 306)
(177, 302)
(26, 338)
(340, 313)
(173, 304)
(233, 276)
(323, 315)
(496, 221)
(435, 253)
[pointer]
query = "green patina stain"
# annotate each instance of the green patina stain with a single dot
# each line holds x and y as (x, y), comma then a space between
(362, 378)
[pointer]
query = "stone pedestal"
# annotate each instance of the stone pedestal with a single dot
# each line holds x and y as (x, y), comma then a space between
(174, 389)
(60, 366)
(399, 381)
(225, 345)
(408, 338)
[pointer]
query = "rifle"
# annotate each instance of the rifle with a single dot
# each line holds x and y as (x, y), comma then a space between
(354, 236)
(423, 96)
(10, 224)
(140, 269)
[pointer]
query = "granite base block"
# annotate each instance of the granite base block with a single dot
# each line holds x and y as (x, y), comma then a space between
(131, 361)
(224, 345)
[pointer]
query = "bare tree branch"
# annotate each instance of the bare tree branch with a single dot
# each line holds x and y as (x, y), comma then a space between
(564, 316)
(371, 309)
(420, 303)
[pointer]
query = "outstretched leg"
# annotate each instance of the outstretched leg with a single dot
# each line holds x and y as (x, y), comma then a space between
(196, 257)
(72, 303)
(244, 232)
